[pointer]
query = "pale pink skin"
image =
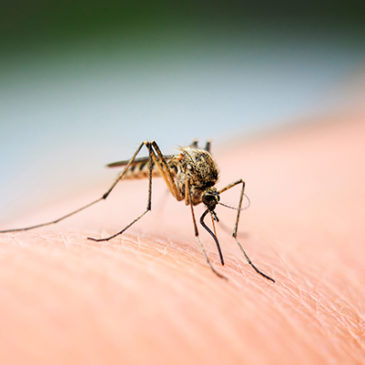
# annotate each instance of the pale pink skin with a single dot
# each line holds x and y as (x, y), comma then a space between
(148, 296)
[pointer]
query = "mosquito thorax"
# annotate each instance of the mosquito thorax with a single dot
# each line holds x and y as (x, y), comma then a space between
(198, 165)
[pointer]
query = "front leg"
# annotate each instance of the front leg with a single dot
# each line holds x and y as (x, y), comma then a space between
(236, 226)
(240, 181)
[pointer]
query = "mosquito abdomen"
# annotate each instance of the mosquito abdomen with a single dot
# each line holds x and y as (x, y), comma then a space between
(140, 170)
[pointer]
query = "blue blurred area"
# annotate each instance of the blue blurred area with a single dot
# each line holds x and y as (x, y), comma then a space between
(68, 107)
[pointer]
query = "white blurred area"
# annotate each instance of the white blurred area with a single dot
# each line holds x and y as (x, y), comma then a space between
(65, 112)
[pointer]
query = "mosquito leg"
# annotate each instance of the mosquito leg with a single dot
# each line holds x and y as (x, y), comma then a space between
(196, 232)
(120, 177)
(188, 196)
(252, 264)
(170, 184)
(149, 201)
(236, 227)
(194, 144)
(120, 232)
(230, 186)
(105, 195)
(51, 222)
(165, 171)
(208, 261)
(163, 167)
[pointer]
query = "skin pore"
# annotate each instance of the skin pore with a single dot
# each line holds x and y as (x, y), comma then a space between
(149, 297)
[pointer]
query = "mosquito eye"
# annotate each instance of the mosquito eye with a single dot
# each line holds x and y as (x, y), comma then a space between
(210, 201)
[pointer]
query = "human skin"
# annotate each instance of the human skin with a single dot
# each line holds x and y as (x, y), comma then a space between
(149, 297)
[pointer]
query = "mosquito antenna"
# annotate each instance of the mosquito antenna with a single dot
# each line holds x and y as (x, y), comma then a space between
(212, 234)
(244, 208)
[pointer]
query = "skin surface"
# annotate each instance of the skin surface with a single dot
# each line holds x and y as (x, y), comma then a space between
(149, 297)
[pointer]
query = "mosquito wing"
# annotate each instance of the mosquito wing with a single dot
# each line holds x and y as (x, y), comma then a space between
(137, 161)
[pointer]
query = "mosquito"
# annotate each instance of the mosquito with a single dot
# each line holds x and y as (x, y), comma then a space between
(190, 175)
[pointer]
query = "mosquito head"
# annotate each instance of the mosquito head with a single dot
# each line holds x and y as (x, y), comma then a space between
(210, 198)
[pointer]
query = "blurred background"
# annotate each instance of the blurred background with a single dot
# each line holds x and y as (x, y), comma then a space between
(82, 83)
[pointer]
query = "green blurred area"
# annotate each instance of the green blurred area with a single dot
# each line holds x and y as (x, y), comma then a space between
(24, 21)
(80, 74)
